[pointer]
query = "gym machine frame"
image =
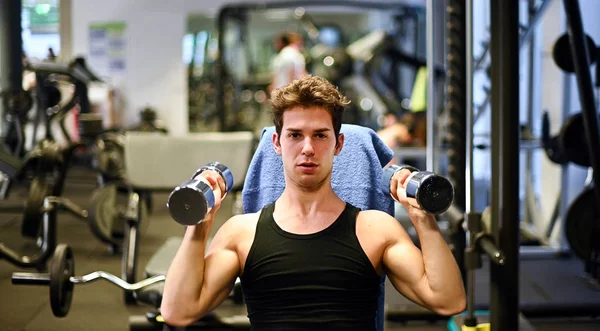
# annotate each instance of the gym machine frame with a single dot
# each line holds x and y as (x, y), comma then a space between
(525, 36)
(581, 62)
(504, 296)
(61, 278)
(504, 47)
(79, 76)
(504, 299)
(502, 245)
(11, 69)
(48, 234)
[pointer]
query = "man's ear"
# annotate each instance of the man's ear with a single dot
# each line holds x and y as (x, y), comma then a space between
(276, 143)
(340, 144)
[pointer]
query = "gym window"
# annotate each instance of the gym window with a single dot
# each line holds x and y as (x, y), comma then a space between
(40, 22)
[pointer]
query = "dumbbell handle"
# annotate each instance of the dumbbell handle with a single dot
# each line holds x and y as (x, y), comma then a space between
(221, 170)
(27, 278)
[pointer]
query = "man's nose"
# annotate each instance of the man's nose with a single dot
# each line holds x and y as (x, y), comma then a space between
(308, 149)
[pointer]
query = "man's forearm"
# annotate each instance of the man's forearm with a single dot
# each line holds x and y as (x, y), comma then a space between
(441, 269)
(185, 276)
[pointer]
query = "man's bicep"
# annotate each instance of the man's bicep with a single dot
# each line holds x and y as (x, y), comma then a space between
(403, 264)
(221, 268)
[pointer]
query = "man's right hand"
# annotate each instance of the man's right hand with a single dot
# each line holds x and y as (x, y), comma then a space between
(216, 182)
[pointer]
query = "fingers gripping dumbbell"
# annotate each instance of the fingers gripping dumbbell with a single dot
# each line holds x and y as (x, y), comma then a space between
(191, 201)
(61, 280)
(424, 189)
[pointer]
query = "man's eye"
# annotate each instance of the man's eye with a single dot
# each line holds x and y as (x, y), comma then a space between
(294, 135)
(321, 136)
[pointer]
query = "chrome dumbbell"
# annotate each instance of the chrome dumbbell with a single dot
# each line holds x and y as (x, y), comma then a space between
(189, 202)
(424, 189)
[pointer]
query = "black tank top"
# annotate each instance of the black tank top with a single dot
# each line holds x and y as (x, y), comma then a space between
(319, 281)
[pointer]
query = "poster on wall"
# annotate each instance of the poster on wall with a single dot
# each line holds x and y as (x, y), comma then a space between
(107, 52)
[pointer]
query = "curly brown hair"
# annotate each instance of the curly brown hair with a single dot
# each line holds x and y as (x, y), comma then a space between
(306, 92)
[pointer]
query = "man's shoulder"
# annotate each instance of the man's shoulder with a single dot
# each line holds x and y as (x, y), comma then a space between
(378, 226)
(374, 213)
(377, 219)
(244, 220)
(290, 52)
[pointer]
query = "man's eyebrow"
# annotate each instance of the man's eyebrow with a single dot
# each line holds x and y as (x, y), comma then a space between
(322, 130)
(316, 130)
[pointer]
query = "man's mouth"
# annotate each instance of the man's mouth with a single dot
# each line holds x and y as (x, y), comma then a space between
(307, 166)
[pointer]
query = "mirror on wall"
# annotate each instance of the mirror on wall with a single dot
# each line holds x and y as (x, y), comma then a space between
(371, 54)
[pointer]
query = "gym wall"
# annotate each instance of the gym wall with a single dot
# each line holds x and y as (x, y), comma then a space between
(154, 74)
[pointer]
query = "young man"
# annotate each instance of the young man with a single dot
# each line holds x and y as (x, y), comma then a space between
(310, 260)
(289, 63)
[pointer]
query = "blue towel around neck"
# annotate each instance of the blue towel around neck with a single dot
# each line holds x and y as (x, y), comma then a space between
(355, 178)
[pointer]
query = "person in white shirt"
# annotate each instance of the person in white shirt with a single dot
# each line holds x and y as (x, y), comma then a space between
(289, 64)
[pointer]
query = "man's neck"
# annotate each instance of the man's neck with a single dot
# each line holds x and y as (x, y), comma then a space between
(304, 202)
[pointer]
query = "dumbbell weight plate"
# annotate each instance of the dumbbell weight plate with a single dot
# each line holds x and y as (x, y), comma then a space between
(189, 202)
(61, 287)
(573, 140)
(434, 193)
(561, 52)
(103, 212)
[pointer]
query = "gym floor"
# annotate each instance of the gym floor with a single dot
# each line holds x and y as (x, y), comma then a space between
(99, 305)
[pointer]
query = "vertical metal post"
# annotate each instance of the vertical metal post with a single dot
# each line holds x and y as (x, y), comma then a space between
(65, 30)
(431, 111)
(456, 112)
(564, 172)
(49, 227)
(220, 69)
(469, 199)
(531, 73)
(495, 70)
(11, 46)
(504, 280)
(456, 95)
(528, 215)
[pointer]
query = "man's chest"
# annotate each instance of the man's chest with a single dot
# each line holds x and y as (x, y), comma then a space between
(368, 243)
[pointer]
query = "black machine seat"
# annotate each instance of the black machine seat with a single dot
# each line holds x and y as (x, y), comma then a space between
(158, 265)
(161, 260)
(151, 295)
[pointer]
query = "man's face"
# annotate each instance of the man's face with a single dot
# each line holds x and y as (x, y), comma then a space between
(307, 146)
(277, 45)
